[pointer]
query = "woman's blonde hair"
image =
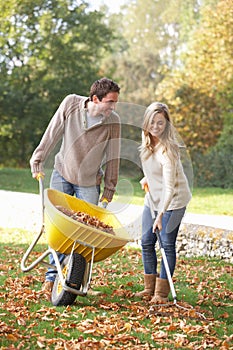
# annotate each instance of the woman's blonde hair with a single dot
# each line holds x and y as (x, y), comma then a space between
(167, 139)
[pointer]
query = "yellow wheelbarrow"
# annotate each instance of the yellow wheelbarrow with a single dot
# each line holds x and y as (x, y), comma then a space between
(83, 245)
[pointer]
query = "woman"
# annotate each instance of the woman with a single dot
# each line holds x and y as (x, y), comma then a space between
(165, 201)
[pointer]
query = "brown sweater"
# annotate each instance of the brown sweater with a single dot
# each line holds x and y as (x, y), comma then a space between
(83, 150)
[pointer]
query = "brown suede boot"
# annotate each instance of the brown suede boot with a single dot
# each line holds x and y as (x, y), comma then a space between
(162, 290)
(149, 286)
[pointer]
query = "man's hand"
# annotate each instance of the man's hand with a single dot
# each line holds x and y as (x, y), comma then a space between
(37, 175)
(104, 202)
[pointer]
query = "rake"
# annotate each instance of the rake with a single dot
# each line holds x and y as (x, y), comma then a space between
(171, 284)
(169, 277)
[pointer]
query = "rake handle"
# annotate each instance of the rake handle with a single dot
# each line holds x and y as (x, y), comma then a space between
(169, 277)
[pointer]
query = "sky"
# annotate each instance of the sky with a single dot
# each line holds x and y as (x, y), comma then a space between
(114, 5)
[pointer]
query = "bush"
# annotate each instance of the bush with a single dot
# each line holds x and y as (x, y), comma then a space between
(215, 167)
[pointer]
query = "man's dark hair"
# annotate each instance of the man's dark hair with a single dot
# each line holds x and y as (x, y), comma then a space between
(102, 87)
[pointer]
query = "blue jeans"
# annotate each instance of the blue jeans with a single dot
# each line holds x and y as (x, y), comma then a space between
(88, 194)
(170, 222)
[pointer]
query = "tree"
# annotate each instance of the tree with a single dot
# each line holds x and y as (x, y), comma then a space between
(199, 91)
(49, 48)
(153, 32)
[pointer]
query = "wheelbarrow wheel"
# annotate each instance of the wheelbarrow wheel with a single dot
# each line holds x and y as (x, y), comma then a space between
(73, 268)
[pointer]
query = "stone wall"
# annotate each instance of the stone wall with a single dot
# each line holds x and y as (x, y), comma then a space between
(196, 240)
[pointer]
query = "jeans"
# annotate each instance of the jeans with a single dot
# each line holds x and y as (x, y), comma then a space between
(89, 194)
(170, 226)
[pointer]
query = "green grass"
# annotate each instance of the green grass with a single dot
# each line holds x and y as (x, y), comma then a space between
(18, 180)
(214, 201)
(115, 319)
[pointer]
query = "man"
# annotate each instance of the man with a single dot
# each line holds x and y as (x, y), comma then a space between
(90, 132)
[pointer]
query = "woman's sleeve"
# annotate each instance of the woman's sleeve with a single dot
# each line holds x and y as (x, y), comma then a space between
(169, 169)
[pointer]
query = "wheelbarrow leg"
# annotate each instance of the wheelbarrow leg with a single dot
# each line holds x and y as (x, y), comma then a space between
(87, 276)
(88, 270)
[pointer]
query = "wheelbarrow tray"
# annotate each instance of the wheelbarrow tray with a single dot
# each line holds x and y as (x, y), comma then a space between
(65, 234)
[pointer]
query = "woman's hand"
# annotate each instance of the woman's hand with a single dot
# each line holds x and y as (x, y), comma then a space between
(143, 183)
(158, 222)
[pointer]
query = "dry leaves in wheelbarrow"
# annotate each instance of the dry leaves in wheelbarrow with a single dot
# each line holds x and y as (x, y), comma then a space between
(86, 219)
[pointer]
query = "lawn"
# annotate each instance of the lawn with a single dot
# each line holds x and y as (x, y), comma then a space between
(115, 319)
(214, 201)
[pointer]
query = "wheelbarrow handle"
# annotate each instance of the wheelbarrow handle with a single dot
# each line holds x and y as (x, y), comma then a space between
(104, 203)
(40, 178)
(41, 258)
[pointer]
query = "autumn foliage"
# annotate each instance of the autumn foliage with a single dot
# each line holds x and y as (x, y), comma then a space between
(115, 319)
(200, 92)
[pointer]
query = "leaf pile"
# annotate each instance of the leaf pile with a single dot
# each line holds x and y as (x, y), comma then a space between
(116, 319)
(86, 219)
